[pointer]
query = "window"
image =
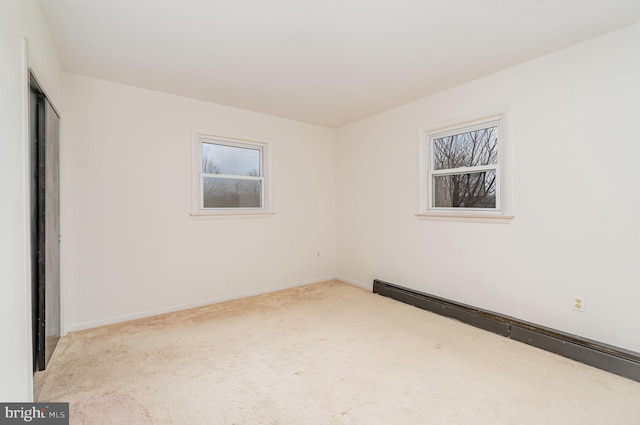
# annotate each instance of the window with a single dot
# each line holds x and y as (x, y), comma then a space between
(230, 176)
(462, 169)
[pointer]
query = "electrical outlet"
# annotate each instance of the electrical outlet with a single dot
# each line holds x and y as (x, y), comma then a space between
(578, 303)
(317, 253)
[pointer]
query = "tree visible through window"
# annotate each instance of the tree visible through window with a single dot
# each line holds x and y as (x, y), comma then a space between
(464, 167)
(231, 175)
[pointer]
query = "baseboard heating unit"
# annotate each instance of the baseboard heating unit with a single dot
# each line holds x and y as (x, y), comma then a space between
(603, 356)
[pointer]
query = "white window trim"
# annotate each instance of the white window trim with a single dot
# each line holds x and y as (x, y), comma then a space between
(198, 137)
(503, 211)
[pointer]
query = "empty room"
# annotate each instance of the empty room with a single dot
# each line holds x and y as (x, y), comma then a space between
(317, 212)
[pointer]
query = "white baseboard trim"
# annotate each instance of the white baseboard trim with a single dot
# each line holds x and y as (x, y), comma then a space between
(367, 286)
(186, 306)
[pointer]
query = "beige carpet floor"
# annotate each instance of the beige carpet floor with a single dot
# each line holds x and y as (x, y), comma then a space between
(323, 354)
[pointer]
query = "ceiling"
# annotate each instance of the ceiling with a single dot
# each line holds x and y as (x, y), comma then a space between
(327, 62)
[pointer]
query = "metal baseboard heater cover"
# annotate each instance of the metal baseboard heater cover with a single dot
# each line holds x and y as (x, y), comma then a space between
(603, 356)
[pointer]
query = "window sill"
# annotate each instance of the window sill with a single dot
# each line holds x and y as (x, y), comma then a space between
(231, 214)
(470, 217)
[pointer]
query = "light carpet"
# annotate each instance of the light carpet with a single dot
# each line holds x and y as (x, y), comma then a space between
(321, 354)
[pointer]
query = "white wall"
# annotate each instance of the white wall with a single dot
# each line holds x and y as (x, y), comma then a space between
(131, 247)
(19, 19)
(576, 197)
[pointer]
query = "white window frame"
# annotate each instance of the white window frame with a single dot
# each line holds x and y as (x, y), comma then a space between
(426, 136)
(200, 137)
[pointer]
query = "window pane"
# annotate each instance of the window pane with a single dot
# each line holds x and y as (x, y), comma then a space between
(475, 190)
(232, 193)
(222, 159)
(478, 147)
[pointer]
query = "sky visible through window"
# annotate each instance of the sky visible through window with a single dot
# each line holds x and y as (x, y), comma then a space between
(231, 159)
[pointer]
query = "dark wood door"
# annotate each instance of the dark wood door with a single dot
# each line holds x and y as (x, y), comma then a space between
(45, 197)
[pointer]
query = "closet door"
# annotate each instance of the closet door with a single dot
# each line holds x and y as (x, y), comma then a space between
(51, 231)
(46, 227)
